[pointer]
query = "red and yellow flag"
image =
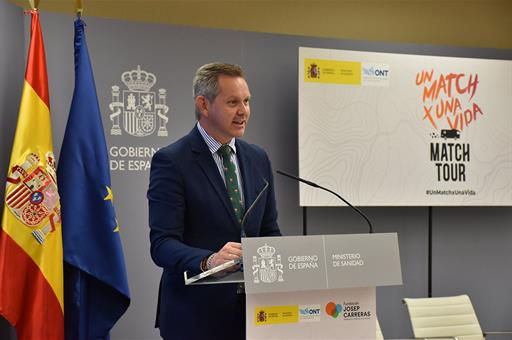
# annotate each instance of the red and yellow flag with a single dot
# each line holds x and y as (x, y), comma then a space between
(31, 267)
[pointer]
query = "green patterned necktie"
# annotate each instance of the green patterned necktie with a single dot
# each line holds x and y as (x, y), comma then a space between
(231, 181)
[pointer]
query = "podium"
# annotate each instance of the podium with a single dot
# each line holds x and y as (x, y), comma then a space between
(314, 287)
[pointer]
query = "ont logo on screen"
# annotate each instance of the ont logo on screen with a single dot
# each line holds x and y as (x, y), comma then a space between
(267, 268)
(142, 111)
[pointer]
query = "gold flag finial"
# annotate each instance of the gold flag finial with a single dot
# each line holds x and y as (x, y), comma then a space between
(34, 4)
(79, 7)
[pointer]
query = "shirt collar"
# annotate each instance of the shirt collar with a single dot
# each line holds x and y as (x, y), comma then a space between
(212, 143)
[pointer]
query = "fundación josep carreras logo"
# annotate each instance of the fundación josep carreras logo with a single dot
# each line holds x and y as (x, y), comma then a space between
(349, 310)
(333, 309)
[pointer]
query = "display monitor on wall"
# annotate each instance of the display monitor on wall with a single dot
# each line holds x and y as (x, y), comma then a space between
(387, 129)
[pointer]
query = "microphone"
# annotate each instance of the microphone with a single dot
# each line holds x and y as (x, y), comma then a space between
(253, 204)
(370, 229)
(241, 286)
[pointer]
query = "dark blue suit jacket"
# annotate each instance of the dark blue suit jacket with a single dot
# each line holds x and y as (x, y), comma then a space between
(190, 217)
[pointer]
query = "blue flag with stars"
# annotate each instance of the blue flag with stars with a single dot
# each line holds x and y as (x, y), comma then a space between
(96, 291)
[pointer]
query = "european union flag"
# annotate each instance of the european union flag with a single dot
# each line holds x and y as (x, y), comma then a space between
(95, 284)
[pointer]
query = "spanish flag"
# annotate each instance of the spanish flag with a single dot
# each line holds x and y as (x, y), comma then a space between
(31, 266)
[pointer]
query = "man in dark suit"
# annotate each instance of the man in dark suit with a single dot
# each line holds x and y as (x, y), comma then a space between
(200, 188)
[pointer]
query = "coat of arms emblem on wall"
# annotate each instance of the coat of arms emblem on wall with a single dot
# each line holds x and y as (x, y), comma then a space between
(140, 110)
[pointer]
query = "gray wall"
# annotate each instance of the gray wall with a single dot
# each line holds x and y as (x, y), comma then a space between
(11, 80)
(11, 77)
(471, 252)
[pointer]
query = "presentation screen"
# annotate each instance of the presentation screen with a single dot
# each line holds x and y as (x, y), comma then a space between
(384, 129)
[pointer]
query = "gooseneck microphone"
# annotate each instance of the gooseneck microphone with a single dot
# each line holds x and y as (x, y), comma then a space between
(253, 204)
(370, 230)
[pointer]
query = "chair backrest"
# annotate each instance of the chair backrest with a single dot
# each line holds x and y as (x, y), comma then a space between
(451, 316)
(378, 335)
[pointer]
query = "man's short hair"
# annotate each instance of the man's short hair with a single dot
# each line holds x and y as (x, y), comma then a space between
(206, 79)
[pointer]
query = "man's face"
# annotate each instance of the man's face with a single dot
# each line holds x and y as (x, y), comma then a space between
(226, 116)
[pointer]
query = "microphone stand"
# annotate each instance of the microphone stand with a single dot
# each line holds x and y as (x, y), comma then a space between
(253, 204)
(370, 227)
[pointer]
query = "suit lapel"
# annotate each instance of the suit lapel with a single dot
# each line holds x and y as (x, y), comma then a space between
(207, 164)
